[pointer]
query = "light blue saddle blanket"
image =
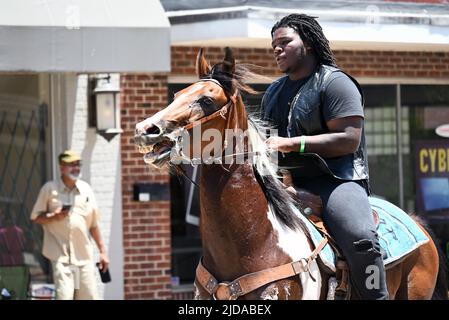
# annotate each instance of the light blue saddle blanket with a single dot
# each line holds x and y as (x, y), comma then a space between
(398, 233)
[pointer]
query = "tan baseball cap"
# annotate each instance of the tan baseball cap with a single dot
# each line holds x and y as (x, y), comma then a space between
(69, 156)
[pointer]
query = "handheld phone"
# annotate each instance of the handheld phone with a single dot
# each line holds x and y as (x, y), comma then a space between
(66, 207)
(105, 276)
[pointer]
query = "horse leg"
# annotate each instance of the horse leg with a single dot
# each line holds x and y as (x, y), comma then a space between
(415, 277)
(419, 283)
(397, 277)
(394, 277)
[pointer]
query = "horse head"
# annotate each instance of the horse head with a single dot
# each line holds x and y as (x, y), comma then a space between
(204, 102)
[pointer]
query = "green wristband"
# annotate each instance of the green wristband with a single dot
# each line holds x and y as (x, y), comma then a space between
(302, 146)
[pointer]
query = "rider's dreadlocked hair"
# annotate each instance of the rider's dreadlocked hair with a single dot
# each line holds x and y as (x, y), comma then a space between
(311, 32)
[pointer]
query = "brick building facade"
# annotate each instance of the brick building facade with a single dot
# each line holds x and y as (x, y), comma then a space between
(146, 226)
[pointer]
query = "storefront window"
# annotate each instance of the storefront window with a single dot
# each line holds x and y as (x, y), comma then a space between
(429, 108)
(426, 172)
(380, 132)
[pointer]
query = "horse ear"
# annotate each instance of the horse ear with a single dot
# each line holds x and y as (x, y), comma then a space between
(202, 67)
(229, 61)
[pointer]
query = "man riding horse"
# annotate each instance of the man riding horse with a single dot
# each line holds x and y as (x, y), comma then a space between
(256, 241)
(317, 108)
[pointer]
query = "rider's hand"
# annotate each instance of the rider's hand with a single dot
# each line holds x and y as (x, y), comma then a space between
(279, 144)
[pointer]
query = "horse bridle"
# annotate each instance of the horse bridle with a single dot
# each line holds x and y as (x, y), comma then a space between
(178, 154)
(222, 112)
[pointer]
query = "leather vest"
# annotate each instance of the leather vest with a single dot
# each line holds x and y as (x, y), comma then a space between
(306, 118)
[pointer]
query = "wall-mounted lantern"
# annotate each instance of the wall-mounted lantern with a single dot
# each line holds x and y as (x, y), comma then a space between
(105, 107)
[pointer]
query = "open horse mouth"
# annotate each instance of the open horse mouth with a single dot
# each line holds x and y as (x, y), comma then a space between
(156, 154)
(159, 153)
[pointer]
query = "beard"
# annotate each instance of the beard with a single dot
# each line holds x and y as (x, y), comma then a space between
(296, 62)
(74, 176)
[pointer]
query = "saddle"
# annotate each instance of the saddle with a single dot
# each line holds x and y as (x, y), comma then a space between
(310, 204)
(312, 207)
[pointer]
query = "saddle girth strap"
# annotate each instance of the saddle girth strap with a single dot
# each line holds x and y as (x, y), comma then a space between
(252, 281)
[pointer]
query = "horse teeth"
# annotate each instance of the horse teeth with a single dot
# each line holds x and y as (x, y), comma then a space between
(145, 149)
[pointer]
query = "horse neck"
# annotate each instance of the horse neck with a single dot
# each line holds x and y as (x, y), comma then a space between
(234, 211)
(234, 221)
(225, 182)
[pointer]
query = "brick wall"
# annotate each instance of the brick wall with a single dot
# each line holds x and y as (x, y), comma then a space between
(146, 225)
(394, 64)
(357, 63)
(146, 233)
(183, 58)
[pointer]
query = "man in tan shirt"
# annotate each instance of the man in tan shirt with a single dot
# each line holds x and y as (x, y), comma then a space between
(67, 210)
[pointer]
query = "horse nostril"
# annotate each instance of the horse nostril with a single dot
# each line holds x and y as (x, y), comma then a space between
(153, 130)
(152, 135)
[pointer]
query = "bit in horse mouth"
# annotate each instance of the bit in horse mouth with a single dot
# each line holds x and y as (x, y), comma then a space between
(158, 153)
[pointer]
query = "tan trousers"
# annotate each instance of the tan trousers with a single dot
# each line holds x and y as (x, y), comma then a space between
(75, 282)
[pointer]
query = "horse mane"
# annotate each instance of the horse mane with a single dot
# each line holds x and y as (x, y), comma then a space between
(283, 205)
(238, 80)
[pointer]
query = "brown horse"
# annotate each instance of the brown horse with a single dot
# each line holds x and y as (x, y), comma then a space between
(254, 245)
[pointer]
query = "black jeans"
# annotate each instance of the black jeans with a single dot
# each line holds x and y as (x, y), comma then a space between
(348, 217)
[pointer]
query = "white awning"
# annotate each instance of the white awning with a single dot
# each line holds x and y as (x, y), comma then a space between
(84, 36)
(349, 29)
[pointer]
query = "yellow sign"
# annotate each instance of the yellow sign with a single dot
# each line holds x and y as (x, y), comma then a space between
(434, 160)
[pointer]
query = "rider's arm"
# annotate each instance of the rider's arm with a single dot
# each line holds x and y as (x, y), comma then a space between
(343, 114)
(343, 138)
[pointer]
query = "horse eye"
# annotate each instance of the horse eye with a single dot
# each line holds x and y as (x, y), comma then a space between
(208, 101)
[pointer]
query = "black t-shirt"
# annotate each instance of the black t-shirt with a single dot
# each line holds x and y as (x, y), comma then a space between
(279, 115)
(341, 99)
